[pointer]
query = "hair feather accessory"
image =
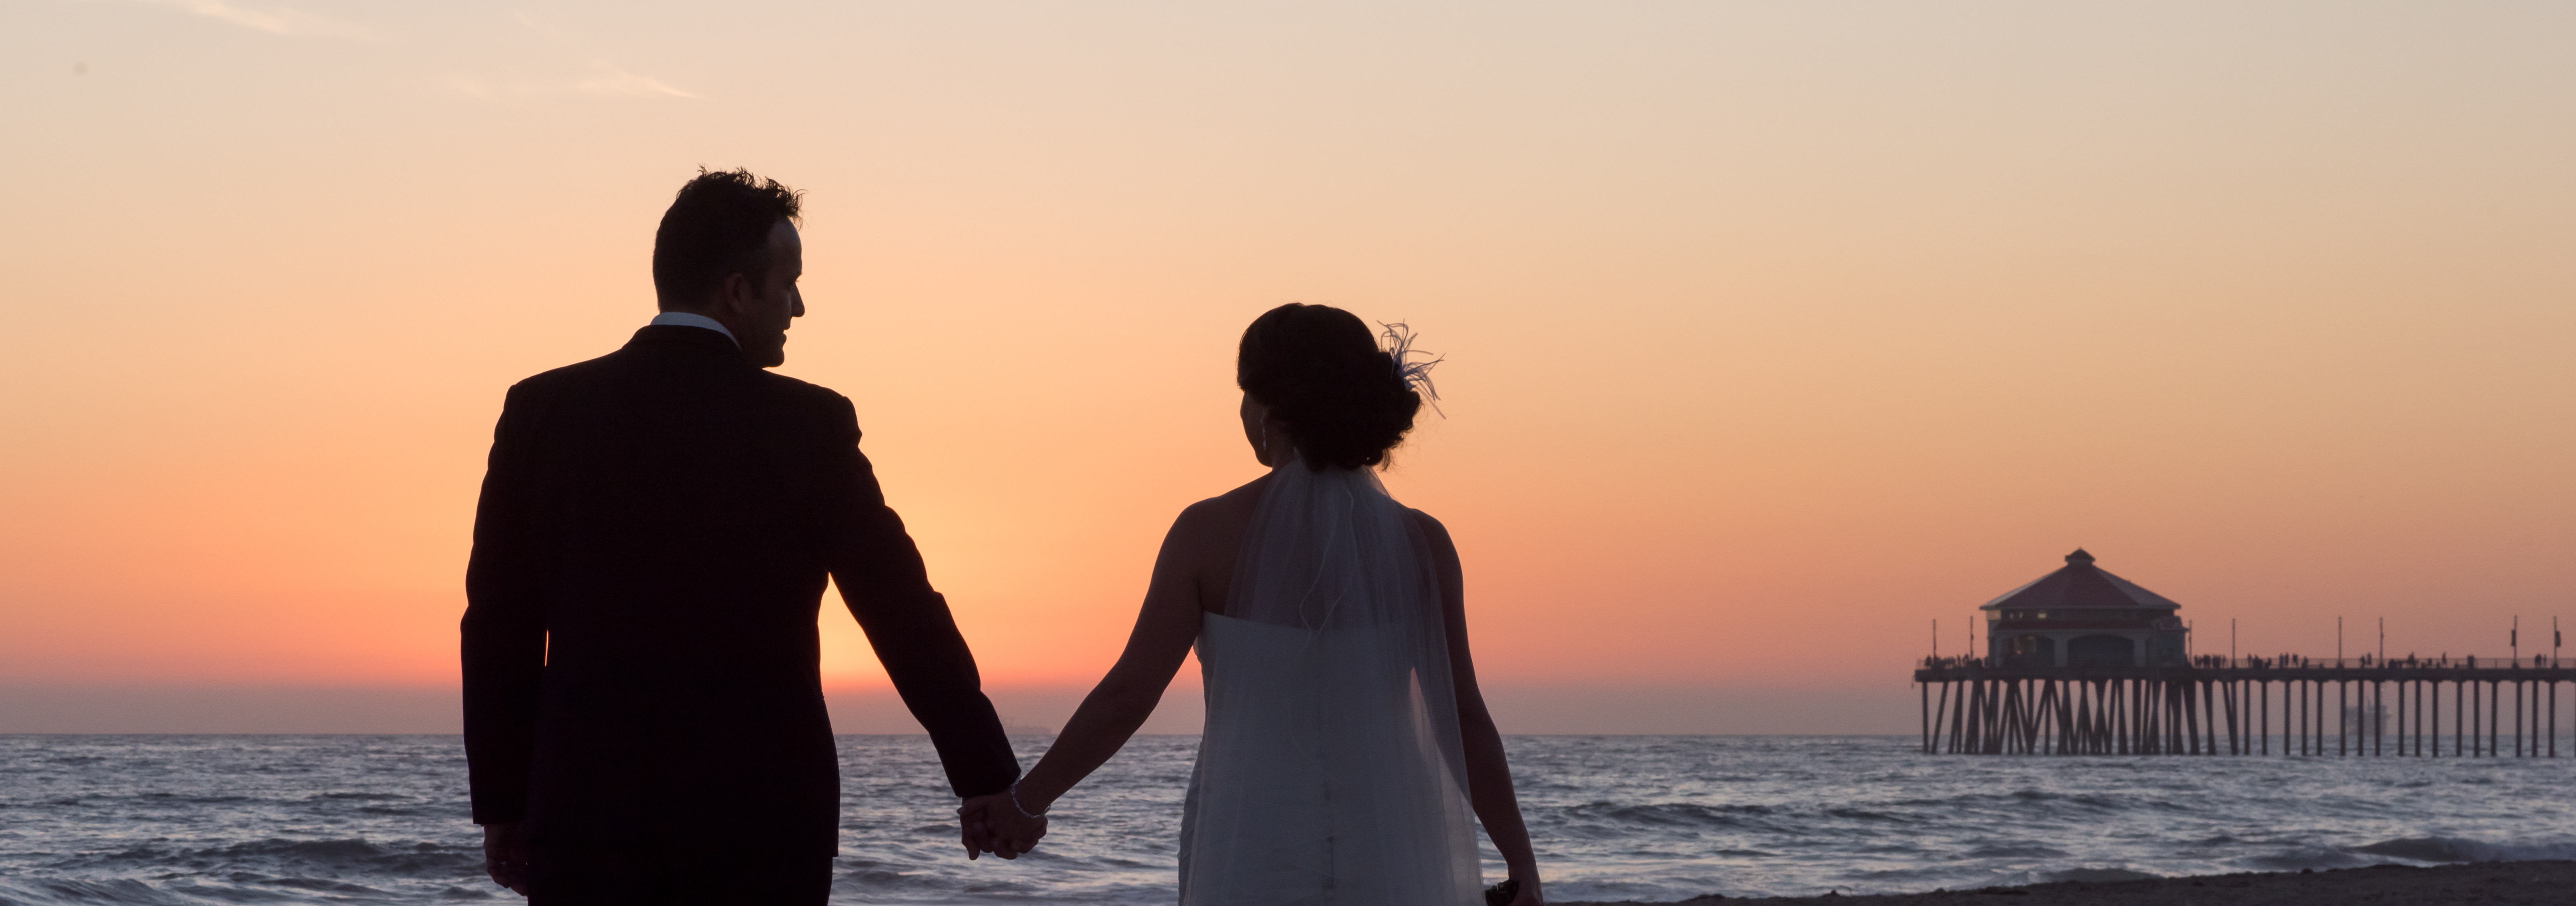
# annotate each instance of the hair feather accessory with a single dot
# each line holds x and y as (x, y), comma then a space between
(1416, 375)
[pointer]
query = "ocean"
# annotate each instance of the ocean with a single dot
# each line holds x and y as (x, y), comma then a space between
(382, 819)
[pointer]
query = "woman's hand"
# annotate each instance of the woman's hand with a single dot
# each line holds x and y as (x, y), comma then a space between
(1528, 893)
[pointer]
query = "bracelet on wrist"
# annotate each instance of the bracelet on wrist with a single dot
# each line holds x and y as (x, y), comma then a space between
(1013, 794)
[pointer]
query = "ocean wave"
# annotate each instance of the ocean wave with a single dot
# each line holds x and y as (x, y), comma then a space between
(234, 888)
(317, 885)
(1862, 814)
(2090, 801)
(64, 891)
(1668, 815)
(2306, 858)
(2453, 850)
(2015, 851)
(294, 858)
(2023, 801)
(2097, 875)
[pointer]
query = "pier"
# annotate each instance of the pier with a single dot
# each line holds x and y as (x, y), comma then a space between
(2248, 706)
(2083, 662)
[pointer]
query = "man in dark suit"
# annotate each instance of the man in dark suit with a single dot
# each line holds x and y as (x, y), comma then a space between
(644, 716)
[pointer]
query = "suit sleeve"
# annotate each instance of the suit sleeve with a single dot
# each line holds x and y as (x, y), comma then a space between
(881, 577)
(504, 633)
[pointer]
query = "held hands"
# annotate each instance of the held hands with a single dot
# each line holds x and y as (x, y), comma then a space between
(994, 824)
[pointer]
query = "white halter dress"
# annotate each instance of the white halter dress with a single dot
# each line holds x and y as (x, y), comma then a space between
(1330, 771)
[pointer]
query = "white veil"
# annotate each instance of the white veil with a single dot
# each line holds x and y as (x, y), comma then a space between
(1338, 580)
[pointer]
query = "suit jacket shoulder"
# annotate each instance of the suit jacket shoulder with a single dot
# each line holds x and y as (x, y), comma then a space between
(811, 399)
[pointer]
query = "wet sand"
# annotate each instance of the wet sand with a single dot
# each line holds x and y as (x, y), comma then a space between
(2551, 883)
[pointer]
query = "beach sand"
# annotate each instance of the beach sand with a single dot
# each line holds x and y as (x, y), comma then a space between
(2485, 883)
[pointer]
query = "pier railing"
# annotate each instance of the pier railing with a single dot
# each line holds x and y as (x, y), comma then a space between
(2221, 705)
(2296, 662)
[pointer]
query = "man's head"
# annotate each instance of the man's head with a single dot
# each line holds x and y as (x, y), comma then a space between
(728, 249)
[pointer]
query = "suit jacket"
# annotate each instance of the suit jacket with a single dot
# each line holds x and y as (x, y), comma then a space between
(639, 636)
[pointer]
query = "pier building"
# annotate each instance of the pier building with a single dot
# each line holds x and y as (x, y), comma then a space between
(2082, 615)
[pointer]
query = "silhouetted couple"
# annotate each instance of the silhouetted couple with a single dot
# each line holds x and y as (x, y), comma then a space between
(644, 717)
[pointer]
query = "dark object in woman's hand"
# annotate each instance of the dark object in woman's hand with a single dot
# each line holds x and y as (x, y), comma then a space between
(1504, 893)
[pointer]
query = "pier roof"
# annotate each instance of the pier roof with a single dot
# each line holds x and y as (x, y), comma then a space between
(2080, 584)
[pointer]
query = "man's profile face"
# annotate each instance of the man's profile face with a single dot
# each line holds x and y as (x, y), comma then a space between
(763, 314)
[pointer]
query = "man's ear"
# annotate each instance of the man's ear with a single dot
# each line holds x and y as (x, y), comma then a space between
(734, 296)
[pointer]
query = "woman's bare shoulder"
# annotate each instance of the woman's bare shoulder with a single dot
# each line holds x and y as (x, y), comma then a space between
(1240, 500)
(1206, 537)
(1432, 530)
(1220, 520)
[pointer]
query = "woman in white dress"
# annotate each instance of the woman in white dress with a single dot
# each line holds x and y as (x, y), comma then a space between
(1346, 742)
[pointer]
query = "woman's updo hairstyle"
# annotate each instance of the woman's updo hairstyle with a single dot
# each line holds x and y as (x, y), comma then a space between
(1320, 371)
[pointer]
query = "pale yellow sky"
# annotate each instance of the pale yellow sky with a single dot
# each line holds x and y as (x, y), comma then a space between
(1775, 331)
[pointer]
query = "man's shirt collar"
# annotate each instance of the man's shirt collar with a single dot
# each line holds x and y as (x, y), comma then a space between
(688, 319)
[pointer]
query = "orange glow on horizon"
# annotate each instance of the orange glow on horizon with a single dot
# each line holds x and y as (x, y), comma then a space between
(1773, 333)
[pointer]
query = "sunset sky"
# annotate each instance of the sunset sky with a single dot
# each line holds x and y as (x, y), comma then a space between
(1774, 331)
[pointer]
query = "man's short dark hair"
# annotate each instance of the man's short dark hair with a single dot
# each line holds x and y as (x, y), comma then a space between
(718, 226)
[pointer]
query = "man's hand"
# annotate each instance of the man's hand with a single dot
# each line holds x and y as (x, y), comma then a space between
(505, 856)
(992, 823)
